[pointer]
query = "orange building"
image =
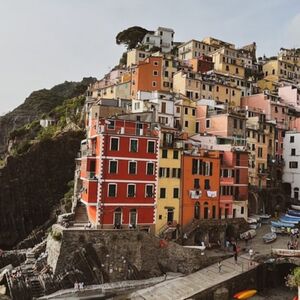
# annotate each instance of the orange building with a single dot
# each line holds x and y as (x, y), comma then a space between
(200, 185)
(147, 75)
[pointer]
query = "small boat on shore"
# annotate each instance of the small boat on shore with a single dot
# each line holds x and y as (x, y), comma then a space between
(294, 213)
(276, 229)
(296, 207)
(248, 234)
(246, 294)
(269, 237)
(282, 224)
(286, 252)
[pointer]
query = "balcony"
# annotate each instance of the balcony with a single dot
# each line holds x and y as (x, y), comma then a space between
(91, 176)
(88, 153)
(123, 130)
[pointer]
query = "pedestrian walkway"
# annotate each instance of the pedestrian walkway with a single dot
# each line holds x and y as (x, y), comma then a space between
(190, 285)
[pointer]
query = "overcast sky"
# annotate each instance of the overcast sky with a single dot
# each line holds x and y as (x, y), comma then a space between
(45, 42)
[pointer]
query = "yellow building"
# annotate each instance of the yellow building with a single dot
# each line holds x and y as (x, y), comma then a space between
(228, 64)
(168, 200)
(227, 93)
(261, 147)
(185, 115)
(134, 56)
(194, 48)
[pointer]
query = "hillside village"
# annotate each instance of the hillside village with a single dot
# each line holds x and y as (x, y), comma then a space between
(190, 131)
(183, 142)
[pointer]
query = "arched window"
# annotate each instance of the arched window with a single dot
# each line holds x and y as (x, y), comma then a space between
(197, 210)
(296, 193)
(206, 210)
(118, 218)
(133, 217)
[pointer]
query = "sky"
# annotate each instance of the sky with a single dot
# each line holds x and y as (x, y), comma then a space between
(45, 42)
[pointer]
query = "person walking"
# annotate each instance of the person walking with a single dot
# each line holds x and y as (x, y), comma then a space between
(251, 252)
(235, 252)
(220, 266)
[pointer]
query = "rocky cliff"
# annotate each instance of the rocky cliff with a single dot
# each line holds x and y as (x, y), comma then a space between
(39, 103)
(33, 183)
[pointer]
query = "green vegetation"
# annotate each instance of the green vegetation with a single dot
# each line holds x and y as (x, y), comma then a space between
(56, 235)
(68, 112)
(131, 36)
(293, 280)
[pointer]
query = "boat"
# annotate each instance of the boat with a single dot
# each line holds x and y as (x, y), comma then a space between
(254, 225)
(296, 207)
(251, 220)
(269, 237)
(277, 229)
(286, 252)
(282, 224)
(246, 294)
(248, 234)
(294, 213)
(287, 219)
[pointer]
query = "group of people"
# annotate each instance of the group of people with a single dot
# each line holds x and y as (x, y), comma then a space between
(78, 286)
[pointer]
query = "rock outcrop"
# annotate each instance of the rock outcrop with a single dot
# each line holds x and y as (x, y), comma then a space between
(33, 183)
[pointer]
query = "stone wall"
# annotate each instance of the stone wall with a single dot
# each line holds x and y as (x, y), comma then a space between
(114, 255)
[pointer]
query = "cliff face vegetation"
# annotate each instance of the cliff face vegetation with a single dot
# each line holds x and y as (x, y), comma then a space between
(33, 183)
(39, 103)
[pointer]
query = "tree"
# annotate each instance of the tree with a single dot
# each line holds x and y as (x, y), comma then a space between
(293, 279)
(131, 36)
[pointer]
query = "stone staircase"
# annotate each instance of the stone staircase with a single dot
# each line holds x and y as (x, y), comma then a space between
(81, 217)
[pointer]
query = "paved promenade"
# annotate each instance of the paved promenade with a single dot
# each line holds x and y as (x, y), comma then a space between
(188, 286)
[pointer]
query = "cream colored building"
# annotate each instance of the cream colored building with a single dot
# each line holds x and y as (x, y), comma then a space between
(134, 56)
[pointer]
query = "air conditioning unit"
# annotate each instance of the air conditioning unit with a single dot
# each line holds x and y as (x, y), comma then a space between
(141, 131)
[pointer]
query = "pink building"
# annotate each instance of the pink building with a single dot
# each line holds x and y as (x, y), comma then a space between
(275, 110)
(220, 120)
(290, 95)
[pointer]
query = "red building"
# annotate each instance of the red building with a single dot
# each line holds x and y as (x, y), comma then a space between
(119, 173)
(200, 185)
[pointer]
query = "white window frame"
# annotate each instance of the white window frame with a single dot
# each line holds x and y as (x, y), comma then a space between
(113, 137)
(112, 124)
(155, 73)
(134, 190)
(117, 169)
(154, 84)
(116, 192)
(146, 190)
(150, 162)
(132, 161)
(206, 123)
(137, 145)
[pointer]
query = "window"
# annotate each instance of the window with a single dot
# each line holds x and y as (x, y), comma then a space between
(242, 210)
(155, 73)
(155, 63)
(193, 112)
(162, 193)
(259, 152)
(292, 139)
(132, 167)
(130, 190)
(166, 74)
(133, 145)
(207, 123)
(186, 110)
(111, 124)
(149, 190)
(113, 166)
(175, 154)
(241, 124)
(154, 83)
(186, 123)
(150, 147)
(293, 165)
(235, 123)
(150, 168)
(196, 183)
(276, 109)
(164, 153)
(206, 184)
(178, 110)
(114, 144)
(163, 107)
(112, 190)
(293, 152)
(176, 193)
